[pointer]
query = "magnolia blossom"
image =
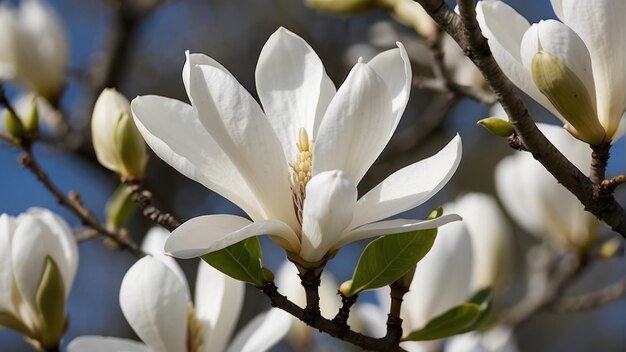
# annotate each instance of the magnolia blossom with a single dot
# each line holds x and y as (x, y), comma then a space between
(118, 145)
(294, 166)
(466, 257)
(156, 302)
(538, 203)
(33, 47)
(575, 68)
(37, 250)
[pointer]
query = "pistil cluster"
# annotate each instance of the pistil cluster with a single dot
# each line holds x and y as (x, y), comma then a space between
(301, 171)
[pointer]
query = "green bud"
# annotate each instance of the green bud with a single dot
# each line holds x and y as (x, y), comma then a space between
(120, 207)
(569, 96)
(435, 213)
(342, 6)
(497, 126)
(346, 288)
(31, 123)
(50, 300)
(130, 146)
(268, 275)
(14, 124)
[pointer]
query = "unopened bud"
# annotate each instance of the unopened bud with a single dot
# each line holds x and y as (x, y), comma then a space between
(435, 213)
(118, 144)
(346, 288)
(497, 126)
(569, 96)
(120, 207)
(268, 275)
(14, 124)
(50, 299)
(31, 122)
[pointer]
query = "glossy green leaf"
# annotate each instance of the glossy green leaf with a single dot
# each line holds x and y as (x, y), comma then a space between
(460, 319)
(241, 261)
(50, 299)
(388, 258)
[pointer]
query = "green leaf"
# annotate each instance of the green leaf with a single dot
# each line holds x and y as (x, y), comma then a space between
(120, 206)
(241, 261)
(50, 300)
(388, 258)
(460, 319)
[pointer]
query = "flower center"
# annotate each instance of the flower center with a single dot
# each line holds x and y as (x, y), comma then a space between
(301, 171)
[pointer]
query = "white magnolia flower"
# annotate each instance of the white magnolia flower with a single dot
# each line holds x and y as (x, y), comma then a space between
(116, 140)
(294, 166)
(156, 302)
(538, 203)
(587, 51)
(498, 339)
(35, 248)
(33, 47)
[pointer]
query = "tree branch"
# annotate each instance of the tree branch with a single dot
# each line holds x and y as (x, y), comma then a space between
(592, 300)
(466, 32)
(143, 199)
(340, 331)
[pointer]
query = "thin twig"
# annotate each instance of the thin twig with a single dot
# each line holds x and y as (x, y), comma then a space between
(143, 199)
(394, 322)
(591, 300)
(466, 32)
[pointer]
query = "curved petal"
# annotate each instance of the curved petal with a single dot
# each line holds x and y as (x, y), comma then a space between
(293, 87)
(155, 303)
(491, 238)
(7, 228)
(105, 344)
(504, 28)
(409, 187)
(66, 254)
(174, 132)
(154, 244)
(441, 279)
(8, 37)
(356, 126)
(557, 6)
(600, 24)
(210, 233)
(562, 42)
(326, 214)
(392, 227)
(241, 129)
(218, 303)
(394, 67)
(262, 332)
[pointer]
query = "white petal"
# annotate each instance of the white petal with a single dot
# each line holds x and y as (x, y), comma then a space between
(218, 303)
(154, 244)
(491, 238)
(394, 67)
(562, 42)
(293, 87)
(557, 6)
(109, 105)
(504, 28)
(328, 207)
(33, 240)
(393, 226)
(263, 332)
(7, 42)
(498, 339)
(155, 303)
(241, 129)
(105, 344)
(356, 126)
(7, 228)
(442, 277)
(409, 187)
(174, 132)
(600, 24)
(211, 233)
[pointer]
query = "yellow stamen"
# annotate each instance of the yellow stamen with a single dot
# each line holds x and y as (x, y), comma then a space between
(301, 171)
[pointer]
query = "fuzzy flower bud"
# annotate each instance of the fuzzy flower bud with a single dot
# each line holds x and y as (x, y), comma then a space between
(119, 146)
